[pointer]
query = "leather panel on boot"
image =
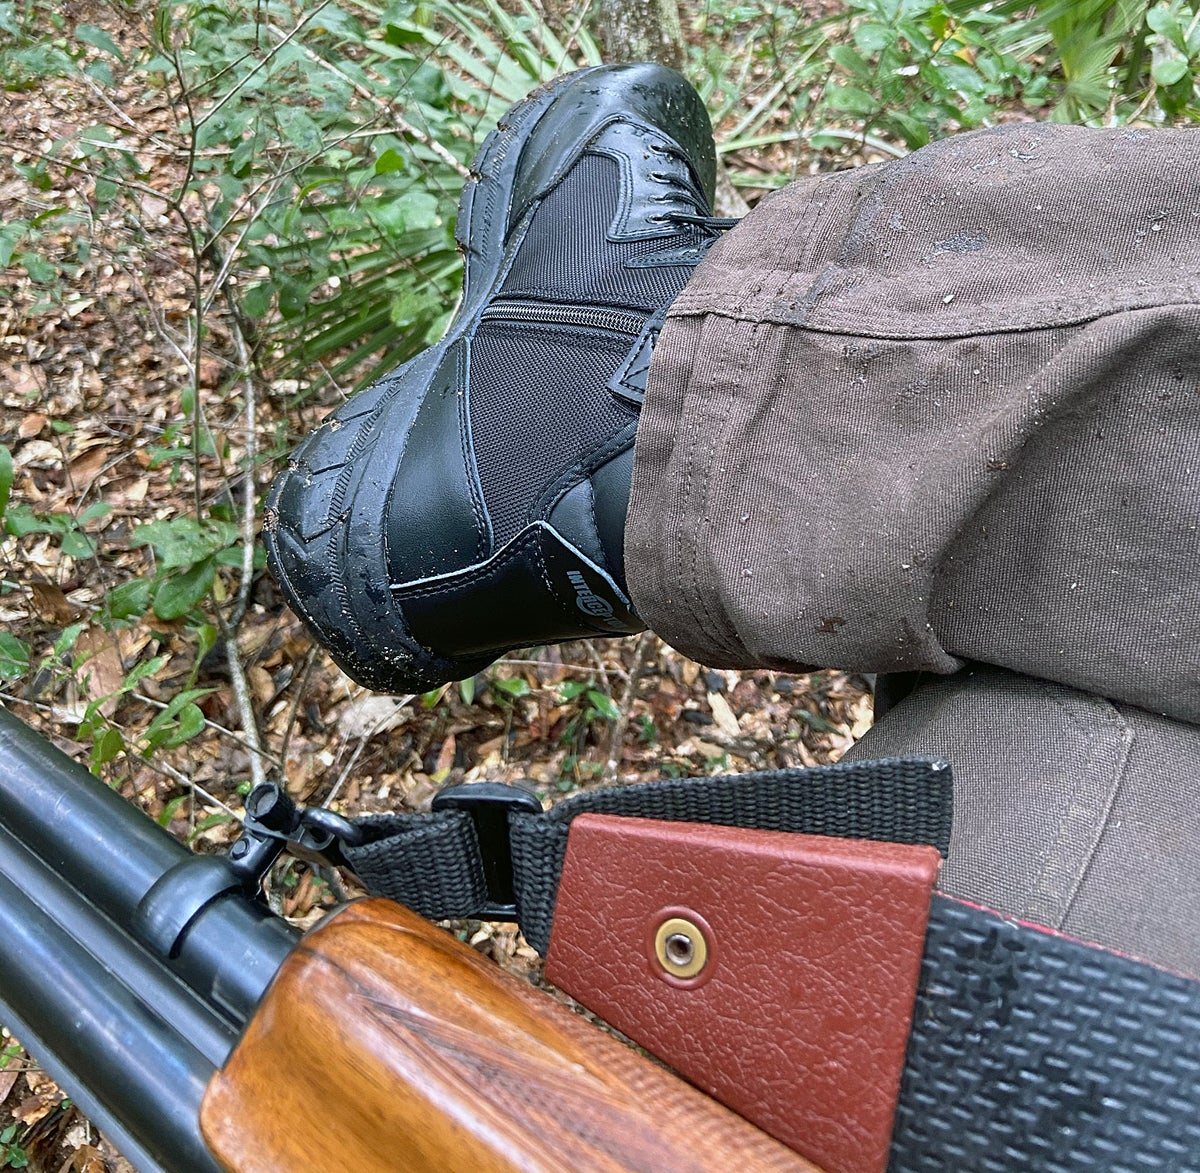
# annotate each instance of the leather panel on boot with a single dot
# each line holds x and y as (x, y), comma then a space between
(610, 502)
(629, 379)
(572, 258)
(634, 92)
(653, 181)
(435, 518)
(574, 517)
(487, 607)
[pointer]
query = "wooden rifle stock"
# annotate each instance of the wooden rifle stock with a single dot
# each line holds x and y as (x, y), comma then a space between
(385, 1044)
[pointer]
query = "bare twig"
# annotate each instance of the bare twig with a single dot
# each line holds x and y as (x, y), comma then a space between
(169, 771)
(11, 698)
(1143, 105)
(647, 642)
(272, 181)
(589, 669)
(398, 120)
(192, 357)
(342, 393)
(101, 95)
(301, 687)
(220, 281)
(27, 152)
(244, 703)
(239, 741)
(233, 90)
(249, 460)
(602, 669)
(237, 672)
(362, 744)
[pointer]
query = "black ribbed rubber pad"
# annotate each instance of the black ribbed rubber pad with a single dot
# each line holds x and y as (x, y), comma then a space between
(1031, 1051)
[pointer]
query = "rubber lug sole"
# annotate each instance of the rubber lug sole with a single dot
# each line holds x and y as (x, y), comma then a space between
(340, 588)
(326, 513)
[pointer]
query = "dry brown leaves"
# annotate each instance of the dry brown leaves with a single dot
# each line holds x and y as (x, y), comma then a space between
(89, 398)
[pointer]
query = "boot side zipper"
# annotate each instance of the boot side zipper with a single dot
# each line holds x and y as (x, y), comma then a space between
(593, 317)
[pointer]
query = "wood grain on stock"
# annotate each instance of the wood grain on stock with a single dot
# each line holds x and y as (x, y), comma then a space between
(386, 1044)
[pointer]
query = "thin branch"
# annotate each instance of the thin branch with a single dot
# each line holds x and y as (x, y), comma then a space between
(101, 95)
(169, 771)
(221, 279)
(362, 744)
(1144, 104)
(793, 136)
(398, 120)
(647, 641)
(270, 54)
(249, 460)
(237, 672)
(604, 672)
(275, 179)
(116, 180)
(10, 698)
(244, 703)
(309, 660)
(549, 666)
(239, 741)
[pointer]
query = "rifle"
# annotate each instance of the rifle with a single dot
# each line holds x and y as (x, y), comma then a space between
(845, 1008)
(202, 1033)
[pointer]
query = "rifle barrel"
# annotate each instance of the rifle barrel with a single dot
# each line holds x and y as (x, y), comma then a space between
(128, 1069)
(107, 850)
(84, 831)
(131, 1024)
(208, 1031)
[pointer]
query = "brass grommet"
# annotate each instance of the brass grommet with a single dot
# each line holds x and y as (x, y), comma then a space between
(680, 947)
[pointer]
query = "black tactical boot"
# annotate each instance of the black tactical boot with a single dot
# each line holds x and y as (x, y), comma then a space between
(473, 501)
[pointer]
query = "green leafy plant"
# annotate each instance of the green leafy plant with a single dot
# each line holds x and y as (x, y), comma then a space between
(336, 141)
(30, 52)
(592, 708)
(508, 689)
(1174, 45)
(892, 75)
(187, 552)
(14, 656)
(68, 528)
(12, 1155)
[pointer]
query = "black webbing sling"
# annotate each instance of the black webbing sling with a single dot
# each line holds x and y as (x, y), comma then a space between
(1028, 1050)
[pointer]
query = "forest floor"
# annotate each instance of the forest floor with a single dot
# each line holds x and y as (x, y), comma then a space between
(89, 402)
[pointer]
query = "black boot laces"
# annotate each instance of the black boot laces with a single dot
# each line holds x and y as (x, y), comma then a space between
(691, 208)
(711, 226)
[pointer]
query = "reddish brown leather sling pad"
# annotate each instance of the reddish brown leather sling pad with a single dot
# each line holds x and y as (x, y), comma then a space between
(800, 1017)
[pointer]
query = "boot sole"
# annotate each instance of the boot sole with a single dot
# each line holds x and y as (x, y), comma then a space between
(337, 483)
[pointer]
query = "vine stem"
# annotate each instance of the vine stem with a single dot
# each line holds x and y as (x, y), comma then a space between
(237, 672)
(647, 641)
(229, 624)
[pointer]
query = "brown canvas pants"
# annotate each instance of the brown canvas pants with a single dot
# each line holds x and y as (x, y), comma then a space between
(942, 415)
